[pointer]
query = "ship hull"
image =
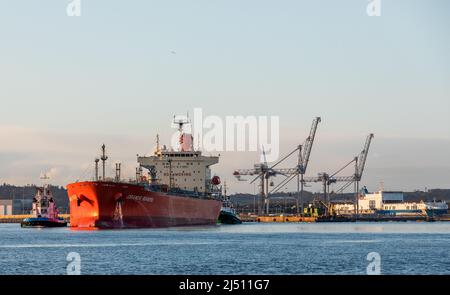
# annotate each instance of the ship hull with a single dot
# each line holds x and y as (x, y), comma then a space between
(119, 205)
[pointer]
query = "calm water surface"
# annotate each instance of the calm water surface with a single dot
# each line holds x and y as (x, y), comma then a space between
(405, 248)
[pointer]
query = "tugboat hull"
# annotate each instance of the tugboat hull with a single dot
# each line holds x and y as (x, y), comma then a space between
(42, 222)
(226, 217)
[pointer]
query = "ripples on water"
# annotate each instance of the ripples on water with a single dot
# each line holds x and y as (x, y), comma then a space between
(337, 248)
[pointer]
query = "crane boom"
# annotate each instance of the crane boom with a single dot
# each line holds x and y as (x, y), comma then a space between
(245, 172)
(363, 157)
(357, 177)
(306, 152)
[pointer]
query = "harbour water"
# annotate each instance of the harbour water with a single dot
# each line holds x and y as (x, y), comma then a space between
(252, 248)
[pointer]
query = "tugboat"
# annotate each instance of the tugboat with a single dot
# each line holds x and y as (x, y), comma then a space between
(45, 213)
(227, 212)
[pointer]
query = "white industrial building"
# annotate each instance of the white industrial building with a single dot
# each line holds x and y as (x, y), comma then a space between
(368, 203)
(391, 203)
(6, 207)
(377, 200)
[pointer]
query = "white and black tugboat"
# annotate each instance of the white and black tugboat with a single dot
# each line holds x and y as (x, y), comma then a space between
(44, 212)
(228, 214)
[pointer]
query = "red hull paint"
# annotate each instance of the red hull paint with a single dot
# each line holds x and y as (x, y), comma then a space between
(119, 205)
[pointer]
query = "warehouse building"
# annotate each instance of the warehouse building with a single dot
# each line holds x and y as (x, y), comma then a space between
(6, 207)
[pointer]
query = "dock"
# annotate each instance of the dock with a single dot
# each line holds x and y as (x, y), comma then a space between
(420, 218)
(343, 218)
(276, 218)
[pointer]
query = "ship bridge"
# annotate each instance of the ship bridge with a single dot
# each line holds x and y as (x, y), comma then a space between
(187, 170)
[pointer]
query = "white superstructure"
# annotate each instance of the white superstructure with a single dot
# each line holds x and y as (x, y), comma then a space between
(44, 205)
(184, 169)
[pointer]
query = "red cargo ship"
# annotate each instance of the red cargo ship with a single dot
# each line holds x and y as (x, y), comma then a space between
(178, 191)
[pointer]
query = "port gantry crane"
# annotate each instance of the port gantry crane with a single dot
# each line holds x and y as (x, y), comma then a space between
(264, 172)
(303, 159)
(327, 179)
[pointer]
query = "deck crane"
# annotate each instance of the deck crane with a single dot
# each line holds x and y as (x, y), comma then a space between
(327, 179)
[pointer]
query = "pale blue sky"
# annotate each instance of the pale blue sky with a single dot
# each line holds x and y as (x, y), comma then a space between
(111, 75)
